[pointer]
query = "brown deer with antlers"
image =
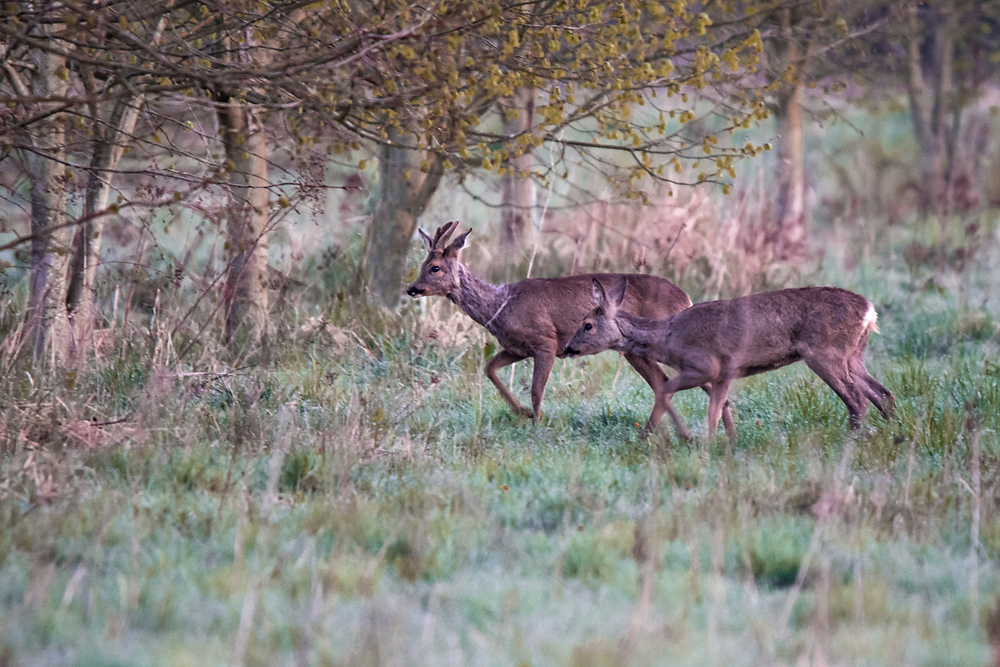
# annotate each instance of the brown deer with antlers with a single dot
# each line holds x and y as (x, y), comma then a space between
(536, 317)
(717, 342)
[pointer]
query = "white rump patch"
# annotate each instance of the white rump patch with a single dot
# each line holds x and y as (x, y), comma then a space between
(868, 323)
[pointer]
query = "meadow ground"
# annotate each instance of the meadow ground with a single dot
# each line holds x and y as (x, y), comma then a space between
(358, 494)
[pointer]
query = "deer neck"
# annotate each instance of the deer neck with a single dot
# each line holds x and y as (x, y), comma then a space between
(479, 299)
(640, 335)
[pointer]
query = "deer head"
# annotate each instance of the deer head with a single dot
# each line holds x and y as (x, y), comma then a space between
(439, 273)
(599, 331)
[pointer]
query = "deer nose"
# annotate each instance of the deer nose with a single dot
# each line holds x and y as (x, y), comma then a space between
(570, 352)
(414, 291)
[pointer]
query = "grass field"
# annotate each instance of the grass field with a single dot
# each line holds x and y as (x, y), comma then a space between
(360, 495)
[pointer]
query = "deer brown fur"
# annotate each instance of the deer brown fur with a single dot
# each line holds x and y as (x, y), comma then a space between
(719, 341)
(536, 317)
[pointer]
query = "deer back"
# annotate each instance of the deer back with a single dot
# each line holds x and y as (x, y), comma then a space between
(760, 332)
(543, 309)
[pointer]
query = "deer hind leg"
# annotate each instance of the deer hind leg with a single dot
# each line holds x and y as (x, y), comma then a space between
(502, 359)
(887, 406)
(836, 376)
(717, 406)
(873, 390)
(656, 378)
(727, 416)
(540, 375)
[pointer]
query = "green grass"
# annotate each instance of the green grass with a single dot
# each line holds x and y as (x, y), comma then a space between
(382, 506)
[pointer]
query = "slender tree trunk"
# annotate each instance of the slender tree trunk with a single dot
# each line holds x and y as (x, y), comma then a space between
(791, 193)
(245, 294)
(402, 199)
(791, 197)
(930, 109)
(919, 113)
(932, 190)
(111, 138)
(46, 170)
(89, 235)
(517, 192)
(944, 103)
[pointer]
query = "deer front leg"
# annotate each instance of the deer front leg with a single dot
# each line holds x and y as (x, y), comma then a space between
(543, 366)
(687, 379)
(656, 378)
(502, 359)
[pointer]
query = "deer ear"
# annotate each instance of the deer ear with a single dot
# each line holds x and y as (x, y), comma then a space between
(459, 242)
(617, 293)
(427, 239)
(600, 298)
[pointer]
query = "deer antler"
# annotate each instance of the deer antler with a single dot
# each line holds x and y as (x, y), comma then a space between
(444, 232)
(437, 236)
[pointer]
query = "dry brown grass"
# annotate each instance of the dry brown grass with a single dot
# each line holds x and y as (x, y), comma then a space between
(711, 247)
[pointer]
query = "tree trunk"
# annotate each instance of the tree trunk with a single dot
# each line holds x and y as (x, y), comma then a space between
(791, 193)
(245, 294)
(87, 239)
(47, 173)
(392, 228)
(111, 138)
(931, 109)
(919, 113)
(517, 192)
(932, 190)
(401, 202)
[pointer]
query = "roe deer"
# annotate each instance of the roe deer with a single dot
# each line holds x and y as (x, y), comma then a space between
(536, 317)
(719, 341)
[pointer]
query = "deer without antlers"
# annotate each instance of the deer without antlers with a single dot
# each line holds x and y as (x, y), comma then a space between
(536, 317)
(719, 341)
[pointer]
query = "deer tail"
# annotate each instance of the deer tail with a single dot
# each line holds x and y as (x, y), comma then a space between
(868, 324)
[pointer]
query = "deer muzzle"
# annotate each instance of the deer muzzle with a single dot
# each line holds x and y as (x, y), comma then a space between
(414, 291)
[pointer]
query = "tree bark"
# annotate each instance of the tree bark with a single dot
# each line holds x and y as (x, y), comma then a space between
(245, 297)
(517, 192)
(402, 199)
(47, 173)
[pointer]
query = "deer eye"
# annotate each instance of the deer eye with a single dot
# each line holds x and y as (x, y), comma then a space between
(435, 269)
(588, 326)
